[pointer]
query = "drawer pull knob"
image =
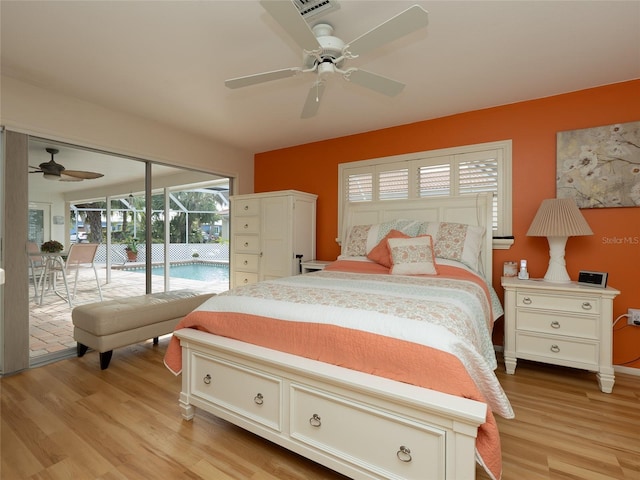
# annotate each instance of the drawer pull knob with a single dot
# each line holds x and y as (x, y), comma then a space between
(246, 207)
(246, 244)
(246, 225)
(315, 421)
(246, 262)
(246, 280)
(207, 379)
(526, 301)
(555, 324)
(404, 454)
(555, 348)
(587, 306)
(259, 399)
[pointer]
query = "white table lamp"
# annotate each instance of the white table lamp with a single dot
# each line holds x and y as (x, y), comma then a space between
(557, 219)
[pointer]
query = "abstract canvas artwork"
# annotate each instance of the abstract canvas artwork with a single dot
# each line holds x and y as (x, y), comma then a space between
(600, 167)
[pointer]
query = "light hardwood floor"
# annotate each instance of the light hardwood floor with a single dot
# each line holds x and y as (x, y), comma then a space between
(70, 420)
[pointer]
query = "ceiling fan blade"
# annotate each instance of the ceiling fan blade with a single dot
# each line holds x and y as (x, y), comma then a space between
(69, 178)
(288, 17)
(81, 175)
(375, 82)
(312, 103)
(412, 19)
(247, 80)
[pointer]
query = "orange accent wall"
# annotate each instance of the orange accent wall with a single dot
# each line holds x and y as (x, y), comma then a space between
(532, 126)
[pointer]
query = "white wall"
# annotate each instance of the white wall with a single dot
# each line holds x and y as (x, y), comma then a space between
(44, 113)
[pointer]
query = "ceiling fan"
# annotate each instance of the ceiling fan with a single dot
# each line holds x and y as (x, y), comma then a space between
(54, 171)
(324, 54)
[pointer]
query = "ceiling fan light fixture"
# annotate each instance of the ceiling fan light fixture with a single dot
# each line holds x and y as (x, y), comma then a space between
(51, 176)
(326, 68)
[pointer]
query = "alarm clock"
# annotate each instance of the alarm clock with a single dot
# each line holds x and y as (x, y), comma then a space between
(593, 279)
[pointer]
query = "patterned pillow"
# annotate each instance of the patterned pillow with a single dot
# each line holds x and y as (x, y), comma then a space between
(412, 256)
(380, 253)
(361, 239)
(356, 242)
(456, 241)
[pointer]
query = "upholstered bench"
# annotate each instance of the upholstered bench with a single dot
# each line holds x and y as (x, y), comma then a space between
(111, 324)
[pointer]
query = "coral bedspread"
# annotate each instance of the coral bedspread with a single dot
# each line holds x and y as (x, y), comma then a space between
(430, 331)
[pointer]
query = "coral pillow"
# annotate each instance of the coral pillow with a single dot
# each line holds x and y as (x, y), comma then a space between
(412, 256)
(380, 253)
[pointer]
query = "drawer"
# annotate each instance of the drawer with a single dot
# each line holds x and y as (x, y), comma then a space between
(246, 207)
(244, 278)
(557, 324)
(246, 225)
(557, 350)
(564, 303)
(246, 243)
(371, 438)
(252, 394)
(245, 262)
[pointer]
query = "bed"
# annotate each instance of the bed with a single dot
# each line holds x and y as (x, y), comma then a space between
(379, 366)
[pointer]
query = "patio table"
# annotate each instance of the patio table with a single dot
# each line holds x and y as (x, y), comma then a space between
(53, 262)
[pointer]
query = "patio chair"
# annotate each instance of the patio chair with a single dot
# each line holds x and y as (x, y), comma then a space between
(81, 256)
(36, 266)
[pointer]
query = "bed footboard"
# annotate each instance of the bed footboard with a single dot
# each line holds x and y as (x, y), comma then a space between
(360, 425)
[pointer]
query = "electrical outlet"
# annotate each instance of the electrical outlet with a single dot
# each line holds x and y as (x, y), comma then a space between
(634, 317)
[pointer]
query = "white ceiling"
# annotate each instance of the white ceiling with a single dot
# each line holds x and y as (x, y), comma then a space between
(168, 61)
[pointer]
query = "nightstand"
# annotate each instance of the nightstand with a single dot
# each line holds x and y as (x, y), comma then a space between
(559, 323)
(314, 265)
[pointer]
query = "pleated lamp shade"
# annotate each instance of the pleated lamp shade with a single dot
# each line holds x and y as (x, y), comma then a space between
(557, 219)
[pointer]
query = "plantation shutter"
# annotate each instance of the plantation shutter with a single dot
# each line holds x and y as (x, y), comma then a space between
(434, 180)
(359, 187)
(393, 184)
(467, 170)
(478, 176)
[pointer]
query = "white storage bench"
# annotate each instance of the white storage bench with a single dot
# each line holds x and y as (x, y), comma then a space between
(104, 326)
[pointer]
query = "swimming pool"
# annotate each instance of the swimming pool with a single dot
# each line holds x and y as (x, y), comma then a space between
(204, 272)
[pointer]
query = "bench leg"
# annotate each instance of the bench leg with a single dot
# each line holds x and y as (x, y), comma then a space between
(105, 358)
(155, 340)
(81, 349)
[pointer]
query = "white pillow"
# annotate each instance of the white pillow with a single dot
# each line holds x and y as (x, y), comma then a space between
(456, 241)
(412, 256)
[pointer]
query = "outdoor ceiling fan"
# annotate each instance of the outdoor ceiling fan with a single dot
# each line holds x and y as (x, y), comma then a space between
(54, 171)
(324, 54)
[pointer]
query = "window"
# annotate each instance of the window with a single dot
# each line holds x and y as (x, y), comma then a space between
(393, 184)
(468, 170)
(359, 188)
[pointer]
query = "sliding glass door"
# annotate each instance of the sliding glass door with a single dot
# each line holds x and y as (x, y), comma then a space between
(157, 227)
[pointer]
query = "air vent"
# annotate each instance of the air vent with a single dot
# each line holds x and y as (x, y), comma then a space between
(315, 8)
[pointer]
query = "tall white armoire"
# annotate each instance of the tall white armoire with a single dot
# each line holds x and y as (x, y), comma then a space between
(269, 231)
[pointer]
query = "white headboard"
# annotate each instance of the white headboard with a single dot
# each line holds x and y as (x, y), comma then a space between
(469, 209)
